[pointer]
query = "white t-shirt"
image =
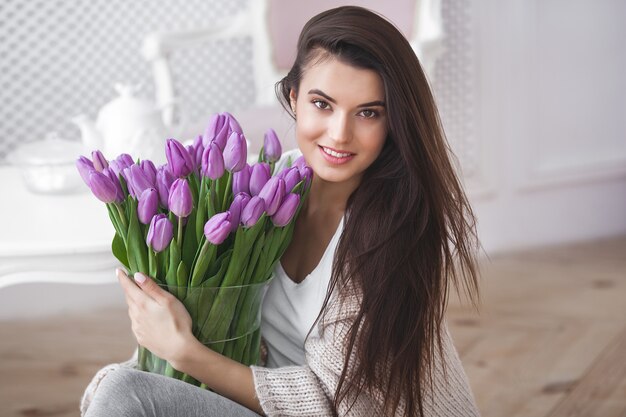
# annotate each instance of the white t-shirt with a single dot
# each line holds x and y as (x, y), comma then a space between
(290, 309)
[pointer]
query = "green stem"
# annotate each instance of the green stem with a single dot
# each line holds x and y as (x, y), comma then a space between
(180, 232)
(226, 190)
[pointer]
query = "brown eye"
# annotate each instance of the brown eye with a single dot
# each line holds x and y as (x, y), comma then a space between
(320, 104)
(369, 114)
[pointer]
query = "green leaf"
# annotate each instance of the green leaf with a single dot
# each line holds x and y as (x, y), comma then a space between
(119, 250)
(182, 277)
(171, 278)
(136, 248)
(190, 244)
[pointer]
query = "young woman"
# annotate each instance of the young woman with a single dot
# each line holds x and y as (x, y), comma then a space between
(384, 233)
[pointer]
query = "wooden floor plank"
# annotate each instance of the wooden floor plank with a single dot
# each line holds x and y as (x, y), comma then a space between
(548, 340)
(602, 391)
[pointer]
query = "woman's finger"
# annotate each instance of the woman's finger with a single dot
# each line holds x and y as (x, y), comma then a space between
(151, 288)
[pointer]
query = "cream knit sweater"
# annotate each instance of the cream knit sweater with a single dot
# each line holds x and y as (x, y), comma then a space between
(308, 390)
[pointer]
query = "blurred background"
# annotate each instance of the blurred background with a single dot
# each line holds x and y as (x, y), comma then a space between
(532, 96)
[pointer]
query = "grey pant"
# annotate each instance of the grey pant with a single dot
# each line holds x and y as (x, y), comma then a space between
(130, 393)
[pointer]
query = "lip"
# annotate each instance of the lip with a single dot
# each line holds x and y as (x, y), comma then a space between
(332, 159)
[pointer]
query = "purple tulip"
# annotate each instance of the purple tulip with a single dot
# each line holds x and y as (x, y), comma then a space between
(217, 228)
(116, 181)
(252, 211)
(178, 158)
(271, 146)
(99, 161)
(84, 166)
(217, 131)
(149, 169)
(286, 211)
(102, 187)
(299, 163)
(272, 194)
(291, 176)
(180, 200)
(235, 153)
(164, 180)
(138, 180)
(307, 174)
(147, 205)
(236, 207)
(233, 124)
(212, 161)
(119, 164)
(241, 180)
(259, 176)
(198, 150)
(160, 233)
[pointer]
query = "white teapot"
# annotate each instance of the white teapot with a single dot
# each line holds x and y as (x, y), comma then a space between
(127, 124)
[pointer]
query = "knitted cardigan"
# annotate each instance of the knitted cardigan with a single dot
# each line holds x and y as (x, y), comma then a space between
(308, 390)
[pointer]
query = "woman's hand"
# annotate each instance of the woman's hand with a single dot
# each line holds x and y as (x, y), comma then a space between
(159, 320)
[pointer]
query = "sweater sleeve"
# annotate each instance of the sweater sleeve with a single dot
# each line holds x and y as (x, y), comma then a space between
(308, 390)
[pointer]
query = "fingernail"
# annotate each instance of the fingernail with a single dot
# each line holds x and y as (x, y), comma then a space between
(139, 278)
(118, 272)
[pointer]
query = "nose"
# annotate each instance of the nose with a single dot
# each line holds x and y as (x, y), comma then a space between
(340, 129)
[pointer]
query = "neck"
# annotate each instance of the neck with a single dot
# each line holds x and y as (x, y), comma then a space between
(329, 197)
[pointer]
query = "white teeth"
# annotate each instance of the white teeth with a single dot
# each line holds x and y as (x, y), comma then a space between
(336, 154)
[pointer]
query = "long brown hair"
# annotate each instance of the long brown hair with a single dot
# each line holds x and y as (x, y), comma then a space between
(409, 230)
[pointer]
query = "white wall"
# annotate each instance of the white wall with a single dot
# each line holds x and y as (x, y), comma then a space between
(550, 121)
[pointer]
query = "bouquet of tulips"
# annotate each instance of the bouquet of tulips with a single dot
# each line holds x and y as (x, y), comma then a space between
(206, 226)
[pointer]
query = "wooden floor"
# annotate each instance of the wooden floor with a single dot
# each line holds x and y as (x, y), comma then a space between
(549, 340)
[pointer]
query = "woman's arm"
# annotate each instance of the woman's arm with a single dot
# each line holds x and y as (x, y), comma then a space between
(161, 324)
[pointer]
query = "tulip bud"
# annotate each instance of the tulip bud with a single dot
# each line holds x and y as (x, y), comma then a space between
(252, 211)
(147, 205)
(164, 180)
(137, 180)
(160, 232)
(119, 164)
(178, 158)
(259, 176)
(271, 146)
(212, 162)
(299, 163)
(233, 124)
(102, 187)
(217, 131)
(180, 200)
(241, 180)
(217, 228)
(307, 174)
(149, 169)
(116, 181)
(286, 211)
(84, 166)
(236, 207)
(198, 150)
(272, 194)
(292, 177)
(235, 153)
(99, 161)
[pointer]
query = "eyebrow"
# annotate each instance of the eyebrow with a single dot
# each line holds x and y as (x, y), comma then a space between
(332, 100)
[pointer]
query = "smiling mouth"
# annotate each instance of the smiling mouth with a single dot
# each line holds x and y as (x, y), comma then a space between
(335, 154)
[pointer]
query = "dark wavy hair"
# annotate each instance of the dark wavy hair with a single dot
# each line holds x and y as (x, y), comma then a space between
(409, 230)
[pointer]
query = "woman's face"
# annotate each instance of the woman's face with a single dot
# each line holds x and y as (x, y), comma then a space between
(341, 123)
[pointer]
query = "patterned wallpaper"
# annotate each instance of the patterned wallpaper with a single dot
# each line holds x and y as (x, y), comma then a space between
(61, 58)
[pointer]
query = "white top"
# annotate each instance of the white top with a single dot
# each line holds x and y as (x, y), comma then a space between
(290, 309)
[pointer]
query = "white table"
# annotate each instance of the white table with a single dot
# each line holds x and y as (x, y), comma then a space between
(52, 238)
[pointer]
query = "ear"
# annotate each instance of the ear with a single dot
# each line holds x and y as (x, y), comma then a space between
(292, 100)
